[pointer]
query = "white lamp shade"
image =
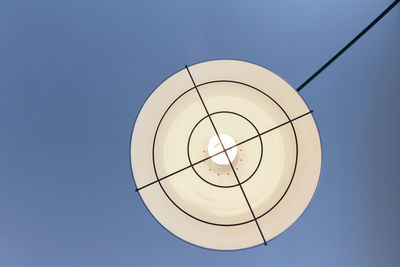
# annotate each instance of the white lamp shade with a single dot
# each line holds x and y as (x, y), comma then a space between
(275, 154)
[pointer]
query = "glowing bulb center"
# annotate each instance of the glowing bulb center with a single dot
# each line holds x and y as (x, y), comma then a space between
(214, 147)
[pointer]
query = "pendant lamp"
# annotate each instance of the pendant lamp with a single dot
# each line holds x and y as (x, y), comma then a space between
(225, 154)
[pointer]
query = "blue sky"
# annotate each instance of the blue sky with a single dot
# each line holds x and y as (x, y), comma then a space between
(74, 74)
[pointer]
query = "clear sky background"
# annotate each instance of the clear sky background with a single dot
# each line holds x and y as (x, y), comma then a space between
(74, 74)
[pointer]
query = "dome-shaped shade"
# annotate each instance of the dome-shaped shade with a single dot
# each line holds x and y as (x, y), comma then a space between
(225, 154)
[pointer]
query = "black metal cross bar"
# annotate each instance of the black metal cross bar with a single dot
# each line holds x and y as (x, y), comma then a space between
(226, 154)
(238, 144)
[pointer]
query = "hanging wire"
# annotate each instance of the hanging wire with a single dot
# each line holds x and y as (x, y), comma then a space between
(349, 44)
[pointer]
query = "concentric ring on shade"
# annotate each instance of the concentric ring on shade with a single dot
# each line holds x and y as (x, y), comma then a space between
(218, 217)
(204, 170)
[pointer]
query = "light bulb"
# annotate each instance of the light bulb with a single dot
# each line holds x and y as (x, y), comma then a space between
(214, 147)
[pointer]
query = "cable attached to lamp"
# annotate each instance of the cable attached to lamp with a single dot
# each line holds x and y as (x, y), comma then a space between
(366, 29)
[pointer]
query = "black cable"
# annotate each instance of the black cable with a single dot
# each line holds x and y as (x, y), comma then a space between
(349, 44)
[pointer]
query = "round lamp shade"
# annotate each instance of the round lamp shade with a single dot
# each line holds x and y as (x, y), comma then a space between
(225, 154)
